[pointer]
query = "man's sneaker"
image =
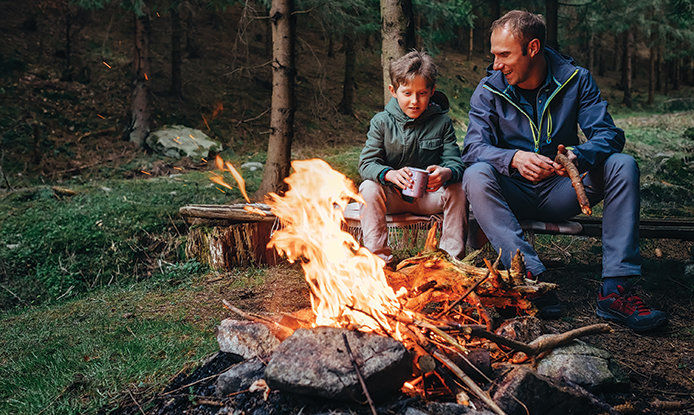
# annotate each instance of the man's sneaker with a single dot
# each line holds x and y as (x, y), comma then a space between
(548, 305)
(628, 309)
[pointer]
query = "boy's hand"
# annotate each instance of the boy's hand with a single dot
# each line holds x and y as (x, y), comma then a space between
(559, 168)
(437, 177)
(401, 178)
(533, 166)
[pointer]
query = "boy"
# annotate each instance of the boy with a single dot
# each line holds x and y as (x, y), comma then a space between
(413, 131)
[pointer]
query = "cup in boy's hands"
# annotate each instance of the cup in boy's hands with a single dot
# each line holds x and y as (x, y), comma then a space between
(420, 179)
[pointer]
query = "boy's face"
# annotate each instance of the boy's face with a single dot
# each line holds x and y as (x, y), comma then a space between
(413, 97)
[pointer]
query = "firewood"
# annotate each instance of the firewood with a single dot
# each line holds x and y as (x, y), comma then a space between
(576, 182)
(359, 375)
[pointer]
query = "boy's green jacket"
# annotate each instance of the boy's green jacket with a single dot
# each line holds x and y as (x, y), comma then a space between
(395, 140)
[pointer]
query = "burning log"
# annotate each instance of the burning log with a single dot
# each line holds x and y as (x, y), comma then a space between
(575, 177)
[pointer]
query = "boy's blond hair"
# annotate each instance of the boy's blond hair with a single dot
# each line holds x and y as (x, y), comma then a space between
(406, 68)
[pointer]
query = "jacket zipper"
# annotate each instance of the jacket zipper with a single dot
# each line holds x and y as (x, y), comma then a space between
(533, 126)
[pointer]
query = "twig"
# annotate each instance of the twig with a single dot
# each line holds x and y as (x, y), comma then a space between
(253, 118)
(13, 294)
(576, 182)
(4, 176)
(359, 375)
(470, 290)
(280, 331)
(241, 68)
(136, 403)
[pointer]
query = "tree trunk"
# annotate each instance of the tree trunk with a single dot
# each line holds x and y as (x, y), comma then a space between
(67, 74)
(282, 107)
(601, 57)
(676, 74)
(331, 46)
(397, 35)
(591, 53)
(616, 55)
(651, 75)
(658, 69)
(625, 51)
(471, 43)
(192, 48)
(495, 9)
(628, 57)
(552, 11)
(140, 118)
(176, 35)
(268, 37)
(347, 104)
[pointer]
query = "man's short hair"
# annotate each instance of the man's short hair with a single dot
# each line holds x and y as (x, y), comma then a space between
(523, 25)
(406, 68)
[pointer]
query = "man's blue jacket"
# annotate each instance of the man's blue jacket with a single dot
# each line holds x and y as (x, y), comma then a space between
(502, 122)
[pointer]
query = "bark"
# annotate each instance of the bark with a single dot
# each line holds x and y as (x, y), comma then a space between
(658, 69)
(282, 107)
(176, 36)
(331, 46)
(552, 10)
(616, 56)
(676, 65)
(651, 74)
(397, 35)
(601, 58)
(591, 53)
(140, 115)
(623, 69)
(192, 48)
(347, 104)
(471, 43)
(67, 75)
(628, 67)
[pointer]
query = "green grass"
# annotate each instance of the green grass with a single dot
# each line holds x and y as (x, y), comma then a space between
(79, 356)
(110, 233)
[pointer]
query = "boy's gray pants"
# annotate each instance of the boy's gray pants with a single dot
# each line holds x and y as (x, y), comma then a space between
(499, 202)
(381, 200)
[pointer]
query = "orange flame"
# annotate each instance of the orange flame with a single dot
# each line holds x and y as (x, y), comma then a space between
(252, 209)
(344, 278)
(226, 166)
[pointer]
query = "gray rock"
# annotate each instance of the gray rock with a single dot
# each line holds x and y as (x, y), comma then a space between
(414, 411)
(252, 166)
(246, 339)
(315, 362)
(450, 408)
(181, 141)
(582, 364)
(541, 395)
(239, 377)
(523, 329)
(689, 270)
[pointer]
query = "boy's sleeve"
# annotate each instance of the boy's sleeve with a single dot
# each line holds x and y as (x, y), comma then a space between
(373, 156)
(481, 140)
(451, 154)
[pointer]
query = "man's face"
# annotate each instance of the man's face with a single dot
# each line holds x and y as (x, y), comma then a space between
(413, 97)
(509, 58)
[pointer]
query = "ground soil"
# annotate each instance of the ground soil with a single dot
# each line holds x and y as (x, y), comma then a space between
(660, 365)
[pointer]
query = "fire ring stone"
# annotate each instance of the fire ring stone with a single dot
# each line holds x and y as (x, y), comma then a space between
(315, 362)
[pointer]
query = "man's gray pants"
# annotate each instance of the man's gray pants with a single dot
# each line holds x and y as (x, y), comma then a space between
(499, 202)
(381, 200)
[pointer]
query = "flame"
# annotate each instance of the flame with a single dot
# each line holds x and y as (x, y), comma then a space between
(344, 278)
(252, 209)
(226, 166)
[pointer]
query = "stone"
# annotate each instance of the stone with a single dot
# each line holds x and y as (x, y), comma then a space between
(541, 395)
(180, 141)
(689, 270)
(584, 365)
(246, 338)
(523, 329)
(239, 377)
(315, 362)
(450, 408)
(252, 165)
(414, 411)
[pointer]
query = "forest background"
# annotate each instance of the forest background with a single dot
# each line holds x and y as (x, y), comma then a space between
(97, 298)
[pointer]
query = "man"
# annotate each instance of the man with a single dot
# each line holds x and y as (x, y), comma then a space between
(530, 103)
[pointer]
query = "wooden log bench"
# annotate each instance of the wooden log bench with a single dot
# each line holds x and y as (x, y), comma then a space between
(225, 236)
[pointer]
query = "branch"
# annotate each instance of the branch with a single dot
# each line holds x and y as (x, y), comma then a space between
(576, 182)
(359, 375)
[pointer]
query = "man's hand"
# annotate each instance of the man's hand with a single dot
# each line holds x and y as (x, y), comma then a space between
(437, 177)
(559, 168)
(533, 166)
(401, 178)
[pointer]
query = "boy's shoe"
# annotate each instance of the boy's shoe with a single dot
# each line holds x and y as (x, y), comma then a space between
(548, 305)
(628, 308)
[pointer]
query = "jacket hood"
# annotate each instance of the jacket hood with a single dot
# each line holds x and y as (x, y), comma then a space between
(438, 104)
(561, 67)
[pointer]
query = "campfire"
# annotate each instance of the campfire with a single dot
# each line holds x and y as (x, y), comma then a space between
(436, 308)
